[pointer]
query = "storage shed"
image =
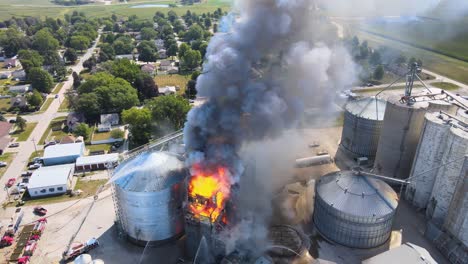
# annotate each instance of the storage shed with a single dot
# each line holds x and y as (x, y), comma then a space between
(52, 180)
(97, 162)
(63, 153)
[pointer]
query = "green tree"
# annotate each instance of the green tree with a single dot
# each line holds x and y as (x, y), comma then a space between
(207, 22)
(146, 87)
(82, 130)
(401, 59)
(195, 32)
(20, 123)
(44, 41)
(125, 69)
(148, 33)
(106, 52)
(96, 80)
(117, 133)
(379, 72)
(375, 58)
(79, 42)
(215, 28)
(30, 59)
(183, 48)
(147, 51)
(35, 99)
(90, 63)
(191, 91)
(70, 55)
(172, 50)
(13, 40)
(116, 97)
(139, 121)
(40, 80)
(191, 59)
(88, 105)
(121, 47)
(203, 47)
(169, 110)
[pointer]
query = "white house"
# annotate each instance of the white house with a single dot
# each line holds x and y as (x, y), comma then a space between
(159, 44)
(19, 75)
(165, 65)
(53, 180)
(162, 53)
(20, 88)
(5, 75)
(112, 119)
(167, 90)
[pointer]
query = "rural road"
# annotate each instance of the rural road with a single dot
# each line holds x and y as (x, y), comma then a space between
(27, 147)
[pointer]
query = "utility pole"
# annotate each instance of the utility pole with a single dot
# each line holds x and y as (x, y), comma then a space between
(34, 142)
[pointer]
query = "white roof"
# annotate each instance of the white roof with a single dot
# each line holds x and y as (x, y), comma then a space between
(50, 176)
(63, 150)
(167, 89)
(406, 253)
(98, 159)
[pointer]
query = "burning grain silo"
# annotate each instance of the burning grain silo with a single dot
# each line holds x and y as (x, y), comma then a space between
(404, 119)
(363, 120)
(354, 210)
(149, 191)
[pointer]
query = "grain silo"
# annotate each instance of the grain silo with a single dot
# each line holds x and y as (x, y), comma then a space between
(429, 153)
(456, 221)
(354, 210)
(448, 175)
(363, 120)
(401, 131)
(149, 190)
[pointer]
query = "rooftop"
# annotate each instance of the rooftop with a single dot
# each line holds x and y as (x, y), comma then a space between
(370, 108)
(50, 176)
(97, 159)
(61, 150)
(406, 253)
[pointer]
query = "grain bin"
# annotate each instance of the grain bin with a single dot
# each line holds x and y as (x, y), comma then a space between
(429, 154)
(354, 210)
(448, 176)
(456, 221)
(149, 191)
(363, 120)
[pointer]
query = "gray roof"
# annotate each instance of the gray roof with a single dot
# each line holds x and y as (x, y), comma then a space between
(370, 108)
(97, 159)
(149, 172)
(357, 195)
(64, 150)
(50, 176)
(110, 119)
(406, 253)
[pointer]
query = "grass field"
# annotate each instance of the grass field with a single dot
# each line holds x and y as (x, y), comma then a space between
(5, 104)
(54, 122)
(445, 86)
(35, 154)
(173, 80)
(8, 158)
(44, 8)
(58, 88)
(64, 106)
(24, 135)
(101, 135)
(46, 104)
(105, 147)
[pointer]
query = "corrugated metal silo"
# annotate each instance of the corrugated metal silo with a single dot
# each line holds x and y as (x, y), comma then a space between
(429, 153)
(149, 190)
(448, 176)
(363, 120)
(457, 217)
(354, 210)
(399, 138)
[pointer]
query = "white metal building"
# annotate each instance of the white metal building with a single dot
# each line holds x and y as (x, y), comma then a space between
(52, 180)
(98, 162)
(63, 153)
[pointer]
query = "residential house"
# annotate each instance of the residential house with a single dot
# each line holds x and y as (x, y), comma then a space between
(5, 128)
(173, 70)
(167, 90)
(20, 88)
(149, 69)
(19, 75)
(127, 56)
(112, 119)
(162, 53)
(19, 101)
(11, 63)
(2, 58)
(104, 127)
(165, 65)
(73, 119)
(159, 44)
(5, 75)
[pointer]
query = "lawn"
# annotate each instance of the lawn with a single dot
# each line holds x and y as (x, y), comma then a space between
(64, 106)
(8, 158)
(101, 135)
(46, 104)
(58, 88)
(38, 153)
(93, 148)
(172, 80)
(47, 133)
(5, 104)
(445, 86)
(24, 135)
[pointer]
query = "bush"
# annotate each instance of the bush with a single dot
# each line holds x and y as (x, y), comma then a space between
(117, 133)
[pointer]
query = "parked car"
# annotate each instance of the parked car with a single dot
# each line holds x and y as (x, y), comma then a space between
(51, 143)
(3, 164)
(14, 145)
(39, 210)
(10, 182)
(25, 180)
(12, 121)
(26, 173)
(37, 159)
(22, 185)
(34, 166)
(17, 190)
(56, 96)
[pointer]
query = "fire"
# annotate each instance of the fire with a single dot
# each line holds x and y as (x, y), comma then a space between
(208, 192)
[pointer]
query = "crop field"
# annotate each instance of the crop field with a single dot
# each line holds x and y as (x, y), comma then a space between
(45, 8)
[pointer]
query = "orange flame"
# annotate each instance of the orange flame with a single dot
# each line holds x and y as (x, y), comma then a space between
(208, 191)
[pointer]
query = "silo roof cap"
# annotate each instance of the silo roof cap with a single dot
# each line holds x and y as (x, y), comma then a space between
(370, 108)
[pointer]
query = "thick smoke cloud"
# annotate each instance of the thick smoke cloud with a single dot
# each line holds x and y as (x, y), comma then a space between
(258, 77)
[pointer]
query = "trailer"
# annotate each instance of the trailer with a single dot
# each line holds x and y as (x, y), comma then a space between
(30, 248)
(24, 260)
(77, 249)
(39, 226)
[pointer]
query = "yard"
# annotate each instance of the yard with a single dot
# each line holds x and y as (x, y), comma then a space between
(101, 147)
(172, 80)
(46, 104)
(58, 88)
(64, 106)
(8, 158)
(49, 134)
(35, 154)
(24, 135)
(5, 104)
(445, 86)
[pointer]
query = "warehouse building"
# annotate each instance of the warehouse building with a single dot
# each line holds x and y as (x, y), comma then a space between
(63, 153)
(98, 162)
(52, 180)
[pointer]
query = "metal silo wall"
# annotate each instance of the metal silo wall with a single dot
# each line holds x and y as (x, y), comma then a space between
(429, 154)
(448, 176)
(151, 216)
(398, 140)
(360, 136)
(457, 217)
(349, 230)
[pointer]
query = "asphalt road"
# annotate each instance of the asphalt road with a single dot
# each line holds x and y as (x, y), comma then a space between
(27, 147)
